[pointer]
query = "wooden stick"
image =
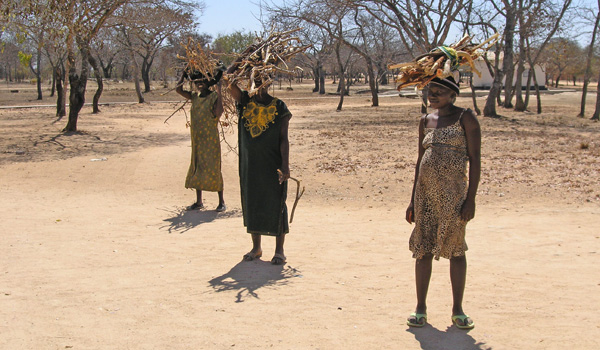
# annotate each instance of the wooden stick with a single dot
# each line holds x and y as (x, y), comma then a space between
(298, 194)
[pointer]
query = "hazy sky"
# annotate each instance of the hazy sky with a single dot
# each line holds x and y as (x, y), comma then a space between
(227, 16)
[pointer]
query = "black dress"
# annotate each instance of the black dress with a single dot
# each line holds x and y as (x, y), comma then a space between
(263, 198)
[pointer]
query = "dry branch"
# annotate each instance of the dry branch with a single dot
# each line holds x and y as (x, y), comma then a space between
(299, 194)
(265, 58)
(441, 62)
(202, 65)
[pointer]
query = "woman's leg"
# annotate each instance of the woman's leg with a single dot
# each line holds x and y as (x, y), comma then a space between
(256, 251)
(422, 278)
(221, 206)
(199, 198)
(279, 257)
(198, 204)
(279, 240)
(458, 276)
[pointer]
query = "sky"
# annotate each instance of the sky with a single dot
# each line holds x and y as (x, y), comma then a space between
(228, 16)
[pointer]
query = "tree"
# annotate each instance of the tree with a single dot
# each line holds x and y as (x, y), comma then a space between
(82, 20)
(316, 55)
(146, 27)
(233, 43)
(343, 21)
(511, 11)
(485, 18)
(558, 57)
(588, 63)
(34, 34)
(539, 19)
(106, 49)
(421, 24)
(596, 115)
(36, 64)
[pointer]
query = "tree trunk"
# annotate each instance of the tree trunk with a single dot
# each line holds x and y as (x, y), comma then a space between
(519, 103)
(489, 110)
(53, 85)
(341, 66)
(61, 109)
(384, 78)
(537, 90)
(136, 77)
(372, 81)
(507, 64)
(588, 66)
(316, 76)
(493, 99)
(98, 75)
(527, 89)
(77, 82)
(106, 69)
(474, 96)
(39, 73)
(341, 103)
(321, 80)
(77, 95)
(596, 115)
(146, 75)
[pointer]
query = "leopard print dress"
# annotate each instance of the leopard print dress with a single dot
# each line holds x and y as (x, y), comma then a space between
(440, 191)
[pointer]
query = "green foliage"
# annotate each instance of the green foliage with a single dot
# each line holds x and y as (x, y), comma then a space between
(232, 43)
(24, 58)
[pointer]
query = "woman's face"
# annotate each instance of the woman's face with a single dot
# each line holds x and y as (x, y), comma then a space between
(440, 96)
(201, 85)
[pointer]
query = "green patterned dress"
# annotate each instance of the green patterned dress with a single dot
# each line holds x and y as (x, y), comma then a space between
(205, 167)
(263, 198)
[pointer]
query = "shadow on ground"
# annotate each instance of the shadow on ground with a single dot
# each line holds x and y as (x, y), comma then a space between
(452, 338)
(183, 220)
(247, 277)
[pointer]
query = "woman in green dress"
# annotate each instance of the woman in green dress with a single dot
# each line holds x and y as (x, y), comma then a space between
(263, 166)
(204, 173)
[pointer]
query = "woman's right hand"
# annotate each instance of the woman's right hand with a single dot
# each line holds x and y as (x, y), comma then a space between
(410, 213)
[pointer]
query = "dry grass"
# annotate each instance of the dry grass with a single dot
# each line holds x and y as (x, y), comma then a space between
(361, 155)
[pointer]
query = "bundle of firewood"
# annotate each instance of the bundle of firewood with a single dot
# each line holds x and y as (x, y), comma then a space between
(201, 64)
(262, 60)
(441, 62)
(198, 60)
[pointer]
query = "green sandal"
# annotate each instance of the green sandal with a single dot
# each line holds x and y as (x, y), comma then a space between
(420, 320)
(463, 324)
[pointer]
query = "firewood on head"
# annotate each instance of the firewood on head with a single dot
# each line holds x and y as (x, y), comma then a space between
(441, 62)
(266, 57)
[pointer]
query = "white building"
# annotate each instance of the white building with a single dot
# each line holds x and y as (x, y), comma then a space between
(486, 80)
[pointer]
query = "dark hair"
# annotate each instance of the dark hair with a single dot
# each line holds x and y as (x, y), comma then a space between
(448, 83)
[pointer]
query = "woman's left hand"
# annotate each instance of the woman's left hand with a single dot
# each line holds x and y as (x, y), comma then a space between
(468, 210)
(283, 175)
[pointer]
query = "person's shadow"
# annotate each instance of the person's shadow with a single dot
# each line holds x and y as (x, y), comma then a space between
(246, 277)
(183, 220)
(452, 338)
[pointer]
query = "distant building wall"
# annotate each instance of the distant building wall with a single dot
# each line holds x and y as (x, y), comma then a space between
(486, 80)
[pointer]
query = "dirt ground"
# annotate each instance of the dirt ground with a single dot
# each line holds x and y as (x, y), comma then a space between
(97, 251)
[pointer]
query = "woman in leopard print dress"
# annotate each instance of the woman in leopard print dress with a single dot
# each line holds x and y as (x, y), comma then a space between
(443, 198)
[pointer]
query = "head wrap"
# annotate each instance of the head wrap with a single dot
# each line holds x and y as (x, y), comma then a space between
(448, 83)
